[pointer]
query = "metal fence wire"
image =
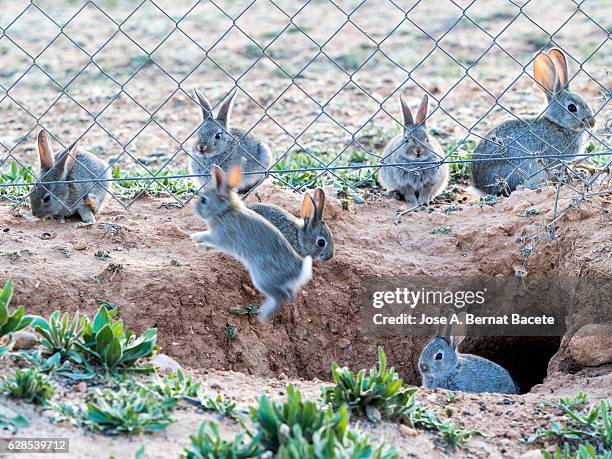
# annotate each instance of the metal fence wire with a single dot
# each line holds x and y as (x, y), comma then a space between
(318, 81)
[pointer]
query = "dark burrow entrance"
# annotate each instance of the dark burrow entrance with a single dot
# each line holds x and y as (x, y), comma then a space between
(525, 357)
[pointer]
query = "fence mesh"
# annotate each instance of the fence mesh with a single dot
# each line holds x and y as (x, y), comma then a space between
(318, 81)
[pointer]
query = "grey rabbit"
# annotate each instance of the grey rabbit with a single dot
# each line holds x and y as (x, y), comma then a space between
(275, 268)
(560, 130)
(60, 200)
(442, 366)
(219, 143)
(309, 234)
(414, 182)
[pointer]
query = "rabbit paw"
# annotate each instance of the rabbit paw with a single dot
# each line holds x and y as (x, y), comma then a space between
(59, 218)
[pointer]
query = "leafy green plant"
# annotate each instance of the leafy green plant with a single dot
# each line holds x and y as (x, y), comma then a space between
(222, 406)
(334, 439)
(177, 385)
(12, 423)
(530, 212)
(444, 229)
(381, 393)
(29, 384)
(131, 408)
(10, 323)
(132, 184)
(113, 345)
(583, 452)
(16, 174)
(586, 424)
(59, 334)
(208, 444)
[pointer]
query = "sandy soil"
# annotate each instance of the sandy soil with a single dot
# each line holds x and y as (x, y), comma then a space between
(505, 422)
(153, 273)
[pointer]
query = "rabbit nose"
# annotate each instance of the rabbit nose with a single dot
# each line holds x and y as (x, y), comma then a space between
(592, 122)
(424, 368)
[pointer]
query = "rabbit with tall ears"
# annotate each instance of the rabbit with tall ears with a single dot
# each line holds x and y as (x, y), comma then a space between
(442, 366)
(309, 234)
(219, 143)
(60, 200)
(419, 179)
(275, 268)
(559, 133)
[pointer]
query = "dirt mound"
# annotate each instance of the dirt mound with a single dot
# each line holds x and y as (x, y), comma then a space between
(140, 260)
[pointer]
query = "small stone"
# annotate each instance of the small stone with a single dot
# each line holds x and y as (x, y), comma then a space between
(282, 376)
(165, 364)
(23, 340)
(591, 346)
(81, 387)
(532, 454)
(81, 244)
(407, 432)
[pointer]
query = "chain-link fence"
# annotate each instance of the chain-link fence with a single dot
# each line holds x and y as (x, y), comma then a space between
(317, 81)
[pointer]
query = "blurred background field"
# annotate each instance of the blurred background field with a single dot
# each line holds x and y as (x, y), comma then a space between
(319, 80)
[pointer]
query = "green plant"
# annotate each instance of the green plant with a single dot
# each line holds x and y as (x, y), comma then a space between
(586, 424)
(17, 174)
(207, 444)
(251, 309)
(531, 212)
(13, 322)
(220, 405)
(113, 345)
(381, 393)
(29, 384)
(59, 334)
(131, 408)
(231, 331)
(297, 429)
(102, 254)
(583, 452)
(134, 183)
(177, 385)
(444, 229)
(12, 423)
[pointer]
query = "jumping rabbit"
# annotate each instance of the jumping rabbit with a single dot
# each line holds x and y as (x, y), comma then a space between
(275, 268)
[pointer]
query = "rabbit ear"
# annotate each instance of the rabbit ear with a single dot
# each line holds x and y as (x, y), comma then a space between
(422, 111)
(204, 104)
(458, 331)
(560, 63)
(45, 152)
(408, 120)
(69, 160)
(545, 73)
(319, 202)
(307, 212)
(219, 178)
(226, 109)
(234, 175)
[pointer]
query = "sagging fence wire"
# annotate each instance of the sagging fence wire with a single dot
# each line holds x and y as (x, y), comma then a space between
(314, 164)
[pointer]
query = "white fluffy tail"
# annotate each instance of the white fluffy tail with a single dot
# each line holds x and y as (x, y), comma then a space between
(305, 273)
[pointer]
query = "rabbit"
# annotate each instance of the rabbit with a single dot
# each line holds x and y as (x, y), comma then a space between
(275, 268)
(309, 234)
(415, 183)
(559, 130)
(220, 144)
(61, 200)
(443, 367)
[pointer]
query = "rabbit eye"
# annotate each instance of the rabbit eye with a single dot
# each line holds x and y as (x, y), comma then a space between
(439, 356)
(321, 242)
(572, 108)
(203, 199)
(218, 135)
(47, 198)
